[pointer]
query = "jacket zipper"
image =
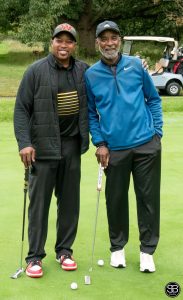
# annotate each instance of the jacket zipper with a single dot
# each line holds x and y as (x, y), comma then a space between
(113, 70)
(54, 99)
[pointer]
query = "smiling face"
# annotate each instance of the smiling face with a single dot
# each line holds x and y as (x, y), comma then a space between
(109, 43)
(63, 46)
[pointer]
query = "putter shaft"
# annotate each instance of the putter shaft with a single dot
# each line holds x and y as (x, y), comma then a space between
(99, 188)
(95, 229)
(21, 270)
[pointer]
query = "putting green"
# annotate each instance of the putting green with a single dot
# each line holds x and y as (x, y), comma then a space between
(106, 282)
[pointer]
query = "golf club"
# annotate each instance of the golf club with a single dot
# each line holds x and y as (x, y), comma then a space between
(21, 270)
(99, 187)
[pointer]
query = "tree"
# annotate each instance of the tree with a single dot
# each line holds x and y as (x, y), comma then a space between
(134, 17)
(176, 16)
(43, 15)
(37, 25)
(35, 20)
(11, 12)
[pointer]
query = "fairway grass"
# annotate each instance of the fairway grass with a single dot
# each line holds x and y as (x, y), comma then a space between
(170, 104)
(14, 60)
(107, 283)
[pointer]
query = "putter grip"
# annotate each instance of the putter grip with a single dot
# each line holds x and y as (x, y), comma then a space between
(99, 183)
(26, 178)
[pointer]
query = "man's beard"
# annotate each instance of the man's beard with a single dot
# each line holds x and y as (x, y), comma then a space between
(110, 54)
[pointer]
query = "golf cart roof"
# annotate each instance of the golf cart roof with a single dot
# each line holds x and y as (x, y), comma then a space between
(161, 39)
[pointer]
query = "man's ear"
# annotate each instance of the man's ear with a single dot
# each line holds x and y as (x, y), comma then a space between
(96, 45)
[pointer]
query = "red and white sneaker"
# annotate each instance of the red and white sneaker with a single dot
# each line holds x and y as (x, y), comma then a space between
(67, 262)
(34, 269)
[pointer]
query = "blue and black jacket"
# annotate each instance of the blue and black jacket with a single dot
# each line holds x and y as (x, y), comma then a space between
(124, 107)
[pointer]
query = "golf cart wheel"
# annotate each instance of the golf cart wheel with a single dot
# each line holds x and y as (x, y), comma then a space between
(173, 89)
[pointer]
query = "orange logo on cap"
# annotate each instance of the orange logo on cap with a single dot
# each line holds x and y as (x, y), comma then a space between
(66, 27)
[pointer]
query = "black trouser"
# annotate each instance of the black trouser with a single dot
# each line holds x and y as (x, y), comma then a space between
(144, 162)
(63, 176)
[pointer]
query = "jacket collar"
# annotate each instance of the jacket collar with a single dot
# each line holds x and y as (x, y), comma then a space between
(113, 65)
(55, 64)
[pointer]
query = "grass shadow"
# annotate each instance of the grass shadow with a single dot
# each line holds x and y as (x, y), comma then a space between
(20, 58)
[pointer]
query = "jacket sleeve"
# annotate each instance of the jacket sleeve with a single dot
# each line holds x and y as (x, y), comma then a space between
(153, 102)
(23, 110)
(94, 125)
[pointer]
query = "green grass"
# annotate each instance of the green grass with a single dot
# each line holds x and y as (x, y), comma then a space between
(14, 59)
(6, 110)
(170, 104)
(107, 283)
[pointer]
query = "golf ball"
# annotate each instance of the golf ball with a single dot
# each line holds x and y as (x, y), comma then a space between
(100, 262)
(74, 286)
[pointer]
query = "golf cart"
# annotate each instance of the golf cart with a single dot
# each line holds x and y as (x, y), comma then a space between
(178, 65)
(163, 74)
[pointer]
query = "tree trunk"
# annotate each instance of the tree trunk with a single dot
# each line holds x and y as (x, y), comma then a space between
(86, 30)
(86, 40)
(46, 47)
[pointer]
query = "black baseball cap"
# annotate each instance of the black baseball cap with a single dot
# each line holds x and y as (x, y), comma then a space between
(65, 27)
(107, 25)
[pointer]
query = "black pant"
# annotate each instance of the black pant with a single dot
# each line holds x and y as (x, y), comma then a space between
(64, 177)
(144, 162)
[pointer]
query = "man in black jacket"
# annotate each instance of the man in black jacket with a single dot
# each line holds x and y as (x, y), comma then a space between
(51, 128)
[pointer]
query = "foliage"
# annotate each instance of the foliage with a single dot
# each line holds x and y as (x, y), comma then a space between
(35, 20)
(137, 18)
(47, 13)
(144, 18)
(10, 13)
(74, 10)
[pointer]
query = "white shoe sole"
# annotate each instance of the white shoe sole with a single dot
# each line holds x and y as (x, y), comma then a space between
(34, 275)
(65, 267)
(147, 270)
(118, 266)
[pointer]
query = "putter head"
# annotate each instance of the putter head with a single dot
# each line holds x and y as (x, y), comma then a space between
(17, 273)
(87, 279)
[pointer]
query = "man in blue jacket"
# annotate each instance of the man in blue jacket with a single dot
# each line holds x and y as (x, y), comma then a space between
(125, 120)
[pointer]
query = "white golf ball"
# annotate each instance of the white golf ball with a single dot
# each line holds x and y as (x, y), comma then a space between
(74, 286)
(100, 262)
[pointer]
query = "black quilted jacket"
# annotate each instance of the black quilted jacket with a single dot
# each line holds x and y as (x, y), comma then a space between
(35, 116)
